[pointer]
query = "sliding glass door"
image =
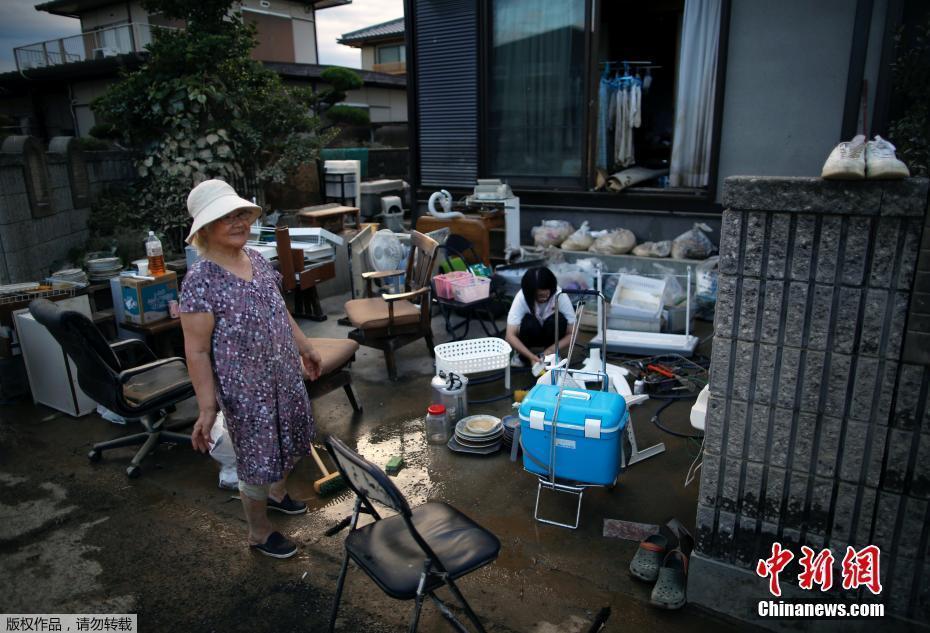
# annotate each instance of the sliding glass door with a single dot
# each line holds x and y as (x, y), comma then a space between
(536, 89)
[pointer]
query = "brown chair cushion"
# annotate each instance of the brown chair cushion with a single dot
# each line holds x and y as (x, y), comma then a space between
(370, 314)
(155, 382)
(334, 352)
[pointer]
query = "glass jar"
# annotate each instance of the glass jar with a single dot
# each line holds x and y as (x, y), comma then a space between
(437, 428)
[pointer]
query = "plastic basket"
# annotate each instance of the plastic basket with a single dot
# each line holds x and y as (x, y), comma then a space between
(473, 355)
(444, 283)
(471, 289)
(638, 297)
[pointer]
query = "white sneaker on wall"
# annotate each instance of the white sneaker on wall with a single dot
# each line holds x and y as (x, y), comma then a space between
(846, 161)
(881, 163)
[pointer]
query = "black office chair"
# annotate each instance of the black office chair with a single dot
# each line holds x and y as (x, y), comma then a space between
(146, 391)
(412, 554)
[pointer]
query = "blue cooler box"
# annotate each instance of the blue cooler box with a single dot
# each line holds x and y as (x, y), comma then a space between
(588, 436)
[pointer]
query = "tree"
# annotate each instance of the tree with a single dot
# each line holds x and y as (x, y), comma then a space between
(910, 131)
(200, 107)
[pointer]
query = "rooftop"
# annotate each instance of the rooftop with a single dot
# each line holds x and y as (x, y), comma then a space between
(392, 29)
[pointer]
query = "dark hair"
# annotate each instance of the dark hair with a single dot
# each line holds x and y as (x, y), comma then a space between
(534, 279)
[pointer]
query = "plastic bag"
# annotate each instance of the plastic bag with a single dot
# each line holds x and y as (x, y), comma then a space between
(572, 277)
(654, 249)
(222, 451)
(706, 284)
(616, 242)
(590, 265)
(551, 232)
(674, 292)
(693, 244)
(580, 240)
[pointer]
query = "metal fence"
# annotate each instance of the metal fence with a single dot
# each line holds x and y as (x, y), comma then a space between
(98, 44)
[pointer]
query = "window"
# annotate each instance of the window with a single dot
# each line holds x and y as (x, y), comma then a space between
(637, 65)
(392, 53)
(536, 91)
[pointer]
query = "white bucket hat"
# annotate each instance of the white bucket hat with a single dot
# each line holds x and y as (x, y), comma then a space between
(211, 200)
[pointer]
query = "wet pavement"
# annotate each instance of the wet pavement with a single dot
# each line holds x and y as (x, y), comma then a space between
(170, 546)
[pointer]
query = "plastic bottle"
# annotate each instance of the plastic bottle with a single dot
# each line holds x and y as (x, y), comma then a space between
(437, 430)
(155, 254)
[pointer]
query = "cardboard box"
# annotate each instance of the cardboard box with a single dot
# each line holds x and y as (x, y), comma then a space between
(145, 301)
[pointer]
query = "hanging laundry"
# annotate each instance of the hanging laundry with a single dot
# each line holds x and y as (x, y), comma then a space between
(626, 115)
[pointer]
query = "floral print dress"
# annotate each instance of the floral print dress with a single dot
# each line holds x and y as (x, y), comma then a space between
(256, 366)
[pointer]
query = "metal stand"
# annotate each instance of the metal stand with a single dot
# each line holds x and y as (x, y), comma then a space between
(557, 487)
(637, 455)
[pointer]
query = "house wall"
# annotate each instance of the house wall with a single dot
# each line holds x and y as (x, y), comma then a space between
(304, 42)
(784, 99)
(785, 87)
(83, 94)
(105, 16)
(368, 57)
(386, 105)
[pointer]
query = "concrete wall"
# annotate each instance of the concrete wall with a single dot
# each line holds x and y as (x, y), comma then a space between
(817, 429)
(31, 243)
(785, 89)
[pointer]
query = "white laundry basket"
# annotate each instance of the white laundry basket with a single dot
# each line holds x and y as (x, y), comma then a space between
(473, 356)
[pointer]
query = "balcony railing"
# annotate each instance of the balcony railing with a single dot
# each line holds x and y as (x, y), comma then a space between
(98, 44)
(390, 68)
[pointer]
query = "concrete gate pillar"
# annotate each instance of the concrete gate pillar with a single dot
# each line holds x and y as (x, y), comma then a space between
(818, 427)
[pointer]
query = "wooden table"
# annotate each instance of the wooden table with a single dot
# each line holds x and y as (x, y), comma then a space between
(160, 333)
(331, 218)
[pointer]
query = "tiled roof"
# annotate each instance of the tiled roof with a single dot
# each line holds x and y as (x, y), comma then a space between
(385, 30)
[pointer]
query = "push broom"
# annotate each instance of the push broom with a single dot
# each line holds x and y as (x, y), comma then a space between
(329, 482)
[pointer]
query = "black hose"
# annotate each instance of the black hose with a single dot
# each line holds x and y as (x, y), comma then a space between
(655, 418)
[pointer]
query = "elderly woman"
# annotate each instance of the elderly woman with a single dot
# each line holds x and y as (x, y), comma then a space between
(247, 358)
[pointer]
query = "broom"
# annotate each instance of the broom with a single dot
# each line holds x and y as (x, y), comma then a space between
(329, 482)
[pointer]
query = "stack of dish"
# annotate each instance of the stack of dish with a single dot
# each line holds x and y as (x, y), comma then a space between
(477, 435)
(74, 275)
(510, 422)
(103, 268)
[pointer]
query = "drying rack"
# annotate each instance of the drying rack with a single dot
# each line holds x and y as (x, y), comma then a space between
(646, 343)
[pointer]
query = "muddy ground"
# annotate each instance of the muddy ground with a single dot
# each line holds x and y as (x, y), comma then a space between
(170, 546)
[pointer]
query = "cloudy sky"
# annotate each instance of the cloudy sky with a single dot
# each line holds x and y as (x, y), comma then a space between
(21, 24)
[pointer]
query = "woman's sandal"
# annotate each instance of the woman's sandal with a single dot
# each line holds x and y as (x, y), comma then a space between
(670, 589)
(648, 558)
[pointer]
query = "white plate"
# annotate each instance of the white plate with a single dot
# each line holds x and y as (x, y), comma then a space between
(464, 432)
(481, 424)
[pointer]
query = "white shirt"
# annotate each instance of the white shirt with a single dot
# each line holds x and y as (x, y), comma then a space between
(542, 311)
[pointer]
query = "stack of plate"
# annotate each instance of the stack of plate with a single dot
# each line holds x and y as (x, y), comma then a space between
(74, 275)
(510, 423)
(478, 435)
(103, 268)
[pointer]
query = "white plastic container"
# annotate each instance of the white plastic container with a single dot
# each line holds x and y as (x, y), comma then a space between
(638, 297)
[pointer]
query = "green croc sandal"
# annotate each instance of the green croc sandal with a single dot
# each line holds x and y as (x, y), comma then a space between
(648, 558)
(669, 592)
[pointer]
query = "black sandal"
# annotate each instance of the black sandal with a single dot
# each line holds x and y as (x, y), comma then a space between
(276, 546)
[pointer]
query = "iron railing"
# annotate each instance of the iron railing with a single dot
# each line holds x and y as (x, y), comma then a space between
(98, 44)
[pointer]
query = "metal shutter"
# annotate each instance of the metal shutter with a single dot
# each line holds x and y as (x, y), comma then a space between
(446, 51)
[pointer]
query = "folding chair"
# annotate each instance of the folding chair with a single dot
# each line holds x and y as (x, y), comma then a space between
(413, 553)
